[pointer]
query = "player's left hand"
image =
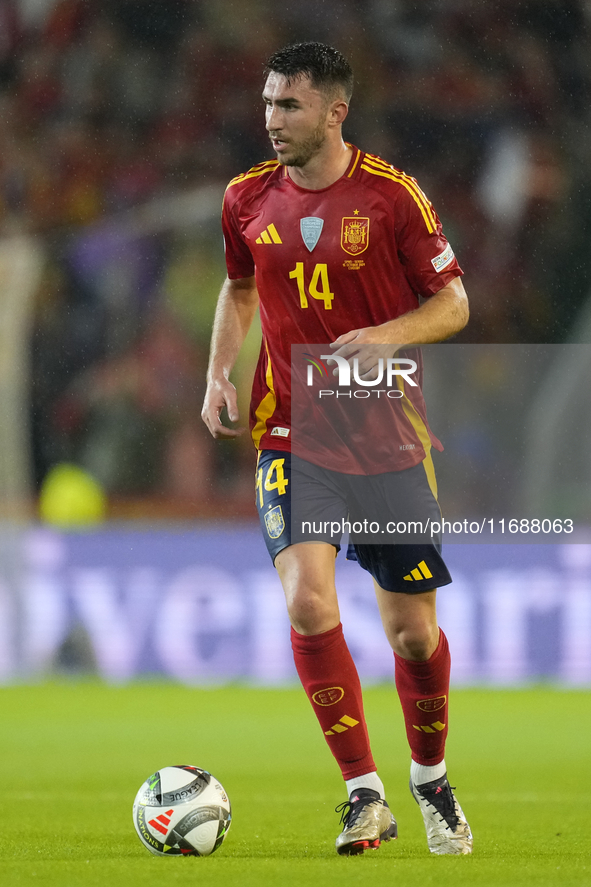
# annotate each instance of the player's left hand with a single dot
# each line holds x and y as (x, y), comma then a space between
(368, 345)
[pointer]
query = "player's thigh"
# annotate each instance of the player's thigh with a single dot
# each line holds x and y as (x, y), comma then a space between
(306, 570)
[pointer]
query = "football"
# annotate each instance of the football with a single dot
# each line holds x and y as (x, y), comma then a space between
(182, 811)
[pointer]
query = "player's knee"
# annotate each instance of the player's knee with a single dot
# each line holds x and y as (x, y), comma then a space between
(415, 642)
(311, 612)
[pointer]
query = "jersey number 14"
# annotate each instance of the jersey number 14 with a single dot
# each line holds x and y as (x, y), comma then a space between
(318, 288)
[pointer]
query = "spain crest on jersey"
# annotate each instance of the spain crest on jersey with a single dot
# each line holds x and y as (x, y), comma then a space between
(274, 522)
(355, 234)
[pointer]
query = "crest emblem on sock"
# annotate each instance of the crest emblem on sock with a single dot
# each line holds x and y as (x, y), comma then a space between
(432, 704)
(330, 696)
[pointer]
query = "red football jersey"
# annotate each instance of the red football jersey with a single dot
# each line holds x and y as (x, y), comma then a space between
(356, 254)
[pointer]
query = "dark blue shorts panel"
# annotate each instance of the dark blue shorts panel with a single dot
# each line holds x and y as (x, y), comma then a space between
(274, 479)
(274, 505)
(410, 569)
(328, 497)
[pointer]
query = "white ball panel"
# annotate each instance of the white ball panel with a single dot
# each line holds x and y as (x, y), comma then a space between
(173, 778)
(203, 837)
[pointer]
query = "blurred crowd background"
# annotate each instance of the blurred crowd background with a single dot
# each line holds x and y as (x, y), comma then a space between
(121, 123)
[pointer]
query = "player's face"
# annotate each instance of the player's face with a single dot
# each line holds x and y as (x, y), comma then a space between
(296, 119)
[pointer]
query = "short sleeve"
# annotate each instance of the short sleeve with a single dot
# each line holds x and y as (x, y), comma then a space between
(239, 261)
(425, 254)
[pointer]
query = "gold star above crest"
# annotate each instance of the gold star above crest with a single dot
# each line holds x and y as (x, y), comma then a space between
(356, 213)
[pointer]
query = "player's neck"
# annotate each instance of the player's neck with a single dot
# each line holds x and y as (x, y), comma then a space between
(324, 169)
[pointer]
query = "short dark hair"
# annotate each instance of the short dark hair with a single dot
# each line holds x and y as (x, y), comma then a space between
(326, 67)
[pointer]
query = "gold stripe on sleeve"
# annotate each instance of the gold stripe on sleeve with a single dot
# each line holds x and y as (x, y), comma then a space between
(259, 170)
(387, 167)
(411, 186)
(266, 408)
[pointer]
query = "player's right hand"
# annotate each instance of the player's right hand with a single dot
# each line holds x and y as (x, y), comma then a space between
(221, 394)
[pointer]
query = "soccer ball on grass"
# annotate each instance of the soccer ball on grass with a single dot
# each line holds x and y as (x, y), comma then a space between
(182, 811)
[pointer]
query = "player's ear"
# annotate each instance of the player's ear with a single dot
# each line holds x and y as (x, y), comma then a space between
(338, 111)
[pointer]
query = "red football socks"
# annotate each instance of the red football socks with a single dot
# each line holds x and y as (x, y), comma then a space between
(423, 688)
(331, 682)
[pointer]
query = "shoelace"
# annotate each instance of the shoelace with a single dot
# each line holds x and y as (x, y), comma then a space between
(350, 811)
(443, 802)
(345, 809)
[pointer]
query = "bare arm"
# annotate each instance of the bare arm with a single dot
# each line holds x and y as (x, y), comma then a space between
(237, 305)
(438, 318)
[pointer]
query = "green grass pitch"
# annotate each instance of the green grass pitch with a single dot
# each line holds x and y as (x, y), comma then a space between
(74, 754)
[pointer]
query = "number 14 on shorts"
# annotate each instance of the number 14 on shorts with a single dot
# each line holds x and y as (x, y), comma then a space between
(274, 480)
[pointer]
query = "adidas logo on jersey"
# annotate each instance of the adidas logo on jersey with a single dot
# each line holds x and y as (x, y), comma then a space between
(421, 571)
(269, 235)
